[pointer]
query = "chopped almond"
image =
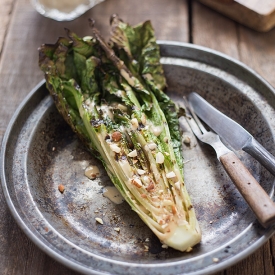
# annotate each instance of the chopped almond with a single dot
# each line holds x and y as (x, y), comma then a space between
(115, 148)
(116, 136)
(132, 154)
(99, 220)
(150, 187)
(61, 188)
(159, 158)
(137, 182)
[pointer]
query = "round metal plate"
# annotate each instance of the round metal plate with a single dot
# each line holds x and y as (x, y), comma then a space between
(40, 152)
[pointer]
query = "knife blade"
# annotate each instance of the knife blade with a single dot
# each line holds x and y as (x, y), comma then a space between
(232, 132)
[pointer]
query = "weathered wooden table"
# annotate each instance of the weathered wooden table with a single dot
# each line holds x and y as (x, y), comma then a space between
(23, 30)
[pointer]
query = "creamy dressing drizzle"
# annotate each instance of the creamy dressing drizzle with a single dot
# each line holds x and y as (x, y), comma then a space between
(113, 194)
(107, 111)
(92, 172)
(63, 5)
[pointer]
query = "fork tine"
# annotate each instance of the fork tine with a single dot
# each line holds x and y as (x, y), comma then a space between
(194, 126)
(192, 123)
(194, 116)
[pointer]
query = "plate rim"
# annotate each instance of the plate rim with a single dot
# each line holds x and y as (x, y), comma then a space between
(76, 265)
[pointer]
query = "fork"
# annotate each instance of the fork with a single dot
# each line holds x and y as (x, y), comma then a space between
(255, 196)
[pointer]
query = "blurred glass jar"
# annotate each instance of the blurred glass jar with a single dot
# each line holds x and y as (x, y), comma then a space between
(63, 10)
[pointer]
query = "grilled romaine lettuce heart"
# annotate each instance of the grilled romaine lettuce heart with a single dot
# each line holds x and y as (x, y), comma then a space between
(112, 97)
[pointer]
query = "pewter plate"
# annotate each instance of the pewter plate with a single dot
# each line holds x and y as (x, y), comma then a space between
(39, 152)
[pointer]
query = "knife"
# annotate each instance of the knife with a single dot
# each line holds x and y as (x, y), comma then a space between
(229, 130)
(255, 196)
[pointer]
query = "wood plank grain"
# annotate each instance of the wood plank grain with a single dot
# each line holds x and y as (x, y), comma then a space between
(19, 73)
(175, 15)
(256, 50)
(215, 31)
(259, 262)
(5, 15)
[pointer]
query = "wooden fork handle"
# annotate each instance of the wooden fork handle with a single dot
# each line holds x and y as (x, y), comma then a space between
(251, 190)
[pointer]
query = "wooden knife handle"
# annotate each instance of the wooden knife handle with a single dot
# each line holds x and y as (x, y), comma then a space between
(251, 190)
